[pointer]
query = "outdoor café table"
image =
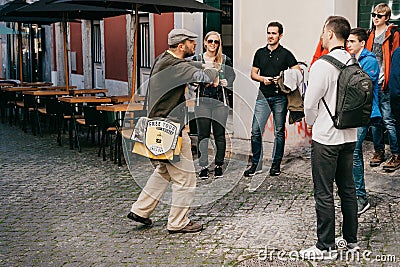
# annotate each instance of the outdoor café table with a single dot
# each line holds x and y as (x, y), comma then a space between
(45, 93)
(72, 101)
(37, 84)
(118, 111)
(19, 89)
(76, 92)
(117, 99)
(57, 87)
(6, 85)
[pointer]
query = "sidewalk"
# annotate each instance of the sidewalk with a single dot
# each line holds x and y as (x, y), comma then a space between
(64, 208)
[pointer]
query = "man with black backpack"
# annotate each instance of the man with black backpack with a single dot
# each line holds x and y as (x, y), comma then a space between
(383, 40)
(332, 148)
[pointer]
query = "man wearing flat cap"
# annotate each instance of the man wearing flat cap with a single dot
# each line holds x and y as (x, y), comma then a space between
(168, 79)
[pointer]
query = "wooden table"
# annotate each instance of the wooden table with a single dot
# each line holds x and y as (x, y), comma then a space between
(126, 98)
(18, 89)
(120, 107)
(120, 98)
(6, 84)
(85, 99)
(45, 93)
(88, 91)
(37, 84)
(63, 87)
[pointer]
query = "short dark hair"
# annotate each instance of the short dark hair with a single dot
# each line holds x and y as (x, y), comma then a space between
(360, 33)
(340, 26)
(276, 24)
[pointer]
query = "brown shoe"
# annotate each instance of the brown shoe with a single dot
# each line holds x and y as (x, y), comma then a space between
(377, 159)
(393, 163)
(191, 227)
(137, 218)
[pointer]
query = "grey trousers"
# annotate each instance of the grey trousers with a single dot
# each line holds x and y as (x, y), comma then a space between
(331, 163)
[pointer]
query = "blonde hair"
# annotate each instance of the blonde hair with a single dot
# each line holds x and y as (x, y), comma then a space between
(383, 8)
(218, 56)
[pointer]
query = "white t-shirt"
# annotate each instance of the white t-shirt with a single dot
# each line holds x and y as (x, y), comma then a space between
(323, 83)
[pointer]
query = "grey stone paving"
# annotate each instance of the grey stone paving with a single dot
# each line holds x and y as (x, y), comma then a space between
(64, 208)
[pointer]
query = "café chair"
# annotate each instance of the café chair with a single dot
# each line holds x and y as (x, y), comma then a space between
(30, 107)
(92, 119)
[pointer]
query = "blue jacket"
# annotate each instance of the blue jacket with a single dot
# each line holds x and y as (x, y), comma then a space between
(394, 78)
(370, 65)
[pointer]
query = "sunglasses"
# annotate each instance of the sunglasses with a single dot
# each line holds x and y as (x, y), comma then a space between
(377, 15)
(210, 41)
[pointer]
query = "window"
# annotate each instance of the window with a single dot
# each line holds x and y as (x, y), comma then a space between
(144, 42)
(96, 42)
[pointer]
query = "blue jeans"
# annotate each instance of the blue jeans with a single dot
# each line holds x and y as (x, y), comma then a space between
(358, 162)
(388, 123)
(262, 110)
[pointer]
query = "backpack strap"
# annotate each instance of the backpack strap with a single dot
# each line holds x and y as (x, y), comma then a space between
(339, 65)
(223, 77)
(330, 113)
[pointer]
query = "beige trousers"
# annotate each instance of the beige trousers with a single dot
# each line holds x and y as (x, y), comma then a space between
(183, 177)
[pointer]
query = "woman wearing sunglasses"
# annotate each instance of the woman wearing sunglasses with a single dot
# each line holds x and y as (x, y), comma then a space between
(211, 109)
(383, 40)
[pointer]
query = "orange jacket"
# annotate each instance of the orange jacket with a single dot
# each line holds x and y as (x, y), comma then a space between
(387, 52)
(319, 51)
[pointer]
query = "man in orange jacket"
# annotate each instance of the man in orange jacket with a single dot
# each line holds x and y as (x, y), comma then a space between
(382, 41)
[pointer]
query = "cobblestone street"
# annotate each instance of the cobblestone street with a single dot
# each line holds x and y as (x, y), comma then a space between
(60, 207)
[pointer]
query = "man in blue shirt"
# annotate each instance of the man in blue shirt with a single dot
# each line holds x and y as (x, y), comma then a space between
(369, 63)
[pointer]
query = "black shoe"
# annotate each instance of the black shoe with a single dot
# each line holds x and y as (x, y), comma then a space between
(253, 170)
(203, 173)
(275, 169)
(362, 205)
(218, 172)
(137, 218)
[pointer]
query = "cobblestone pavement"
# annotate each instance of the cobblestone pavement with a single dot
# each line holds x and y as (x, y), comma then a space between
(64, 208)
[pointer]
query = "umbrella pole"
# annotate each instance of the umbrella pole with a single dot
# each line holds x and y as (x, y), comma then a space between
(20, 51)
(135, 44)
(66, 67)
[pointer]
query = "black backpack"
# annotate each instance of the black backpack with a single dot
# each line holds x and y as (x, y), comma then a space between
(354, 95)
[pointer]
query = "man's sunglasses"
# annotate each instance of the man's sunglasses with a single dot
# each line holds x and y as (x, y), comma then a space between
(210, 41)
(377, 15)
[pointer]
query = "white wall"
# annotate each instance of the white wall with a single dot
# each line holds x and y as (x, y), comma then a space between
(192, 22)
(302, 22)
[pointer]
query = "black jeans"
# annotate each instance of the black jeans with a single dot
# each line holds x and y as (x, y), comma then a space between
(211, 113)
(331, 163)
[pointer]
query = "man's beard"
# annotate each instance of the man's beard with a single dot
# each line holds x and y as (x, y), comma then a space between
(188, 53)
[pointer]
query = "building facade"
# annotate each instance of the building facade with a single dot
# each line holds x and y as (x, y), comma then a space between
(100, 52)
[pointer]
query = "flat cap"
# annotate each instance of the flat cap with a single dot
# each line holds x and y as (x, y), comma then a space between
(176, 36)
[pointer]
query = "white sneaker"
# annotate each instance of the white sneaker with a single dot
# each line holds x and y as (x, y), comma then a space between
(342, 244)
(314, 253)
(353, 247)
